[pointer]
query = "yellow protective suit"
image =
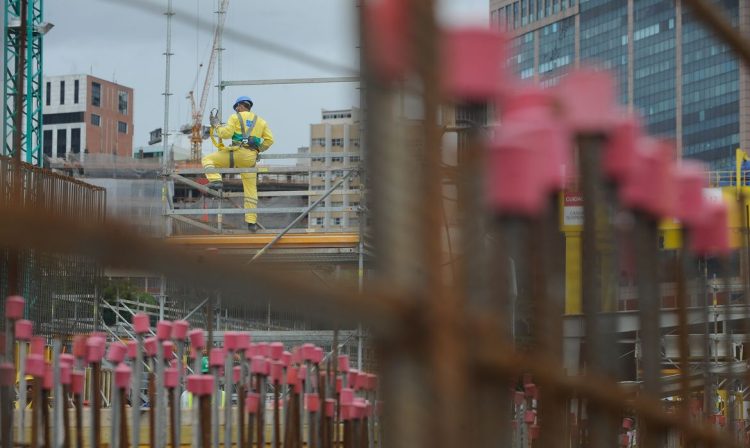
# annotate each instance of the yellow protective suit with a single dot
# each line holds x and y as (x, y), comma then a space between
(244, 157)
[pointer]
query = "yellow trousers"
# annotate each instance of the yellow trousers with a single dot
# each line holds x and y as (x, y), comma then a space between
(243, 158)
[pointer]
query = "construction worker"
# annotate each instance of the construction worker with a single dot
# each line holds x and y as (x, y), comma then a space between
(250, 135)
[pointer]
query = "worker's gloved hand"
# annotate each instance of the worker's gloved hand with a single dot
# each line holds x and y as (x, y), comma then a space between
(255, 142)
(214, 119)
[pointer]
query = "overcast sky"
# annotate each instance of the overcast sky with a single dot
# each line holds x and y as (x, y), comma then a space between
(126, 44)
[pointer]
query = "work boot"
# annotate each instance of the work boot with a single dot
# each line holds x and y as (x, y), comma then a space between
(252, 227)
(216, 185)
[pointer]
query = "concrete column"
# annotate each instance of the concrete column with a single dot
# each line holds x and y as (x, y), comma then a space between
(327, 215)
(744, 14)
(345, 186)
(678, 76)
(631, 55)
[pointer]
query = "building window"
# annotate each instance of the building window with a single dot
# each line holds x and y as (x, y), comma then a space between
(354, 159)
(337, 204)
(76, 85)
(337, 159)
(95, 119)
(75, 140)
(337, 142)
(62, 92)
(337, 173)
(62, 142)
(96, 94)
(336, 221)
(122, 102)
(47, 142)
(319, 141)
(318, 159)
(122, 127)
(317, 187)
(318, 221)
(49, 93)
(354, 142)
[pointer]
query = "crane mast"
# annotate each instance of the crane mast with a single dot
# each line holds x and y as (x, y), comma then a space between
(196, 138)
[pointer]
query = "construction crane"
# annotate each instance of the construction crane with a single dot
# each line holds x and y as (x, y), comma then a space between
(196, 139)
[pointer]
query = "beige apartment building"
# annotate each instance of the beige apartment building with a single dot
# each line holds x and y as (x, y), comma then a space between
(335, 148)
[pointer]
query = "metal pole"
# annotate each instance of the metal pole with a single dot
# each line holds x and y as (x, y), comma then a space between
(165, 131)
(302, 215)
(219, 50)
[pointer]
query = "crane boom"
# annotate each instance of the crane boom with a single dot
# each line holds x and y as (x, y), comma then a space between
(196, 138)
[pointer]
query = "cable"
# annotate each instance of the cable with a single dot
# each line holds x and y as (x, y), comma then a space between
(246, 39)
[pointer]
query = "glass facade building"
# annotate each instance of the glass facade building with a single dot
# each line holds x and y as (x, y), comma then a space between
(686, 84)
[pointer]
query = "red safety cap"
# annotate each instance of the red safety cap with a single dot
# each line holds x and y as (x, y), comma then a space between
(149, 344)
(171, 377)
(286, 358)
(216, 357)
(650, 185)
(588, 99)
(49, 376)
(95, 348)
(346, 395)
(78, 379)
(473, 64)
(168, 347)
(389, 46)
(330, 407)
(200, 385)
(197, 338)
(621, 146)
(14, 307)
(312, 402)
(65, 371)
(236, 374)
(258, 365)
(231, 340)
(7, 374)
(180, 330)
(343, 363)
(163, 330)
(264, 349)
(277, 371)
(122, 376)
(141, 323)
(710, 235)
(277, 350)
(116, 353)
(132, 351)
(37, 345)
(67, 359)
(318, 355)
(691, 181)
(252, 402)
(79, 346)
(23, 330)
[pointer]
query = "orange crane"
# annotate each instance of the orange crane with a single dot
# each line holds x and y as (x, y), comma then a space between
(196, 138)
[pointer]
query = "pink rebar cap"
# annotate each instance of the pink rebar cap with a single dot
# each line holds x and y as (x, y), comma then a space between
(48, 377)
(197, 339)
(277, 350)
(277, 371)
(78, 379)
(168, 347)
(473, 64)
(67, 359)
(141, 323)
(620, 148)
(650, 185)
(37, 345)
(386, 25)
(95, 349)
(710, 235)
(286, 358)
(14, 307)
(216, 357)
(231, 340)
(330, 407)
(200, 385)
(65, 371)
(236, 374)
(588, 100)
(132, 351)
(171, 377)
(149, 344)
(116, 352)
(346, 395)
(79, 346)
(180, 330)
(259, 365)
(122, 376)
(252, 402)
(691, 180)
(163, 330)
(343, 363)
(7, 374)
(312, 402)
(23, 329)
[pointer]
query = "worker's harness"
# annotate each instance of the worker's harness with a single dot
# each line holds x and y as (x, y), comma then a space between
(244, 143)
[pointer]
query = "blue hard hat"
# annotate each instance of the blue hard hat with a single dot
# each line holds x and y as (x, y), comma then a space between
(242, 99)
